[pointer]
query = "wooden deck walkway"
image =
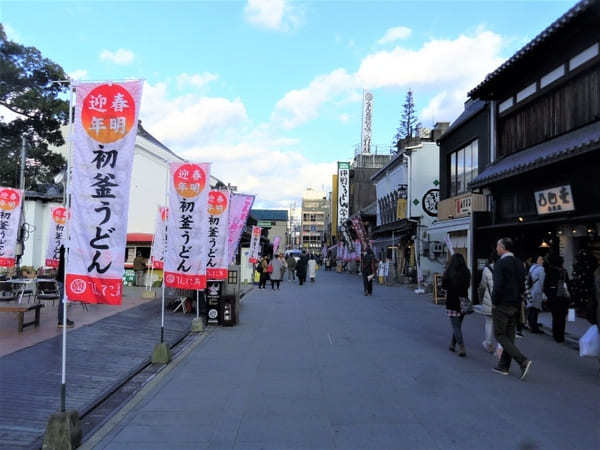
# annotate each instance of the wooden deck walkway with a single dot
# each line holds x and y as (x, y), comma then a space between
(100, 356)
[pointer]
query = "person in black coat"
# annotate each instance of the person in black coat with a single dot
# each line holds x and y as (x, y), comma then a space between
(367, 268)
(301, 267)
(456, 281)
(555, 288)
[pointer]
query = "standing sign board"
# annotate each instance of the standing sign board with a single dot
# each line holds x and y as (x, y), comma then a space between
(218, 224)
(105, 128)
(10, 214)
(56, 235)
(157, 258)
(187, 226)
(343, 192)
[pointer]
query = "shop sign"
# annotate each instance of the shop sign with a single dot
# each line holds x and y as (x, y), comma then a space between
(264, 223)
(555, 200)
(463, 205)
(343, 192)
(430, 202)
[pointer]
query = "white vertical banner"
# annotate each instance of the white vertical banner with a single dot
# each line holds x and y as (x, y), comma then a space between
(187, 226)
(367, 113)
(56, 235)
(10, 214)
(105, 128)
(218, 229)
(157, 255)
(255, 244)
(343, 192)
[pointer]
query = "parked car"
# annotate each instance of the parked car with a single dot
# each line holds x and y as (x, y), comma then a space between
(295, 253)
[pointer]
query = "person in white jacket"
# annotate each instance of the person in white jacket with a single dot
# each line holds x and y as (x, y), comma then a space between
(312, 268)
(486, 286)
(535, 283)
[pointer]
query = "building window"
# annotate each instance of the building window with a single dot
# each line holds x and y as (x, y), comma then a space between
(463, 168)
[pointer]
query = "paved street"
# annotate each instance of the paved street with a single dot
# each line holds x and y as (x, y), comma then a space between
(321, 366)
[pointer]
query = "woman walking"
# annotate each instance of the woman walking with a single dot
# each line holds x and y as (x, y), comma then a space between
(556, 290)
(535, 285)
(264, 275)
(312, 268)
(456, 282)
(277, 274)
(486, 287)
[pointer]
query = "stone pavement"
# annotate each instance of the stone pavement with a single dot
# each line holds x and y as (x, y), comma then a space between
(322, 367)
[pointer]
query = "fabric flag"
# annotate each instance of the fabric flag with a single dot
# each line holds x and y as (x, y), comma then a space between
(239, 208)
(359, 228)
(255, 244)
(187, 226)
(218, 226)
(358, 250)
(105, 128)
(157, 255)
(276, 245)
(10, 215)
(56, 235)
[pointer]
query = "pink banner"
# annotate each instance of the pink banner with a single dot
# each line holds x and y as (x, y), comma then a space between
(10, 213)
(239, 209)
(218, 218)
(276, 245)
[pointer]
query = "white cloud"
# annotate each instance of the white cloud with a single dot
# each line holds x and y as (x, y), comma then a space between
(302, 105)
(395, 34)
(344, 118)
(196, 80)
(277, 15)
(120, 56)
(11, 33)
(79, 74)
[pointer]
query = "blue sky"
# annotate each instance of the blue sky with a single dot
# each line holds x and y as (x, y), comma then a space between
(270, 90)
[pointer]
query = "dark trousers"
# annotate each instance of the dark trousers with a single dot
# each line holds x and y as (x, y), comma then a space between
(301, 278)
(559, 319)
(263, 280)
(274, 282)
(367, 284)
(457, 337)
(505, 322)
(532, 319)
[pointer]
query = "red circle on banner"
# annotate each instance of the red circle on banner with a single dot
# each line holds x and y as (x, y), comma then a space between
(164, 214)
(217, 203)
(60, 215)
(108, 113)
(189, 180)
(9, 199)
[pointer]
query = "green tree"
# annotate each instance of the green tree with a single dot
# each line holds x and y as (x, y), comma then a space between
(30, 107)
(409, 125)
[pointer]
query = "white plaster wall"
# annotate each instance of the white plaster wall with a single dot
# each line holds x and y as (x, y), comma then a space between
(37, 215)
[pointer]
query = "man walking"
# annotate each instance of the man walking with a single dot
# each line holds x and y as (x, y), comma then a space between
(291, 267)
(139, 266)
(506, 298)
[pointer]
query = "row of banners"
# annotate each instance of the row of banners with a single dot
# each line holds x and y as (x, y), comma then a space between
(196, 234)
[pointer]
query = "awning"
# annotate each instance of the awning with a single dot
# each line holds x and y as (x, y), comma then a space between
(139, 238)
(447, 226)
(576, 142)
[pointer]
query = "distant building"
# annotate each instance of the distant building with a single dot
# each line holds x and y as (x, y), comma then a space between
(314, 211)
(275, 222)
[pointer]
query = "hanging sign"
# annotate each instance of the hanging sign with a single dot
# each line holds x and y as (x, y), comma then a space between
(255, 244)
(361, 232)
(218, 224)
(276, 245)
(56, 235)
(187, 226)
(556, 200)
(239, 208)
(10, 214)
(105, 128)
(343, 192)
(157, 256)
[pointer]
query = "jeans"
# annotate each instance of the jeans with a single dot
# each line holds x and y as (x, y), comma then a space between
(532, 318)
(505, 322)
(457, 337)
(292, 274)
(489, 341)
(275, 282)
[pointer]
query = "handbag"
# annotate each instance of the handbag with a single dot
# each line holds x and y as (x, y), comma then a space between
(589, 343)
(466, 306)
(270, 268)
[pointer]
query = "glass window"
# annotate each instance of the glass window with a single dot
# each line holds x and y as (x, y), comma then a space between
(475, 149)
(463, 168)
(460, 171)
(453, 174)
(467, 166)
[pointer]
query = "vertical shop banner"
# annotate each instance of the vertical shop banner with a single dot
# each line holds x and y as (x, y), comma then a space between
(105, 128)
(157, 255)
(255, 244)
(239, 208)
(357, 250)
(10, 214)
(56, 235)
(360, 230)
(343, 192)
(187, 226)
(276, 245)
(218, 227)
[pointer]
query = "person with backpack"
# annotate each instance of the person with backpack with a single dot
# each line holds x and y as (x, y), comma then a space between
(456, 281)
(557, 290)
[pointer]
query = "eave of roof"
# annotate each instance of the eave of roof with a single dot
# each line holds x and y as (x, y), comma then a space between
(471, 111)
(579, 141)
(572, 14)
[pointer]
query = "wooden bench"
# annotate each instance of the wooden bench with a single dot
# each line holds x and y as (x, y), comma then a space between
(21, 310)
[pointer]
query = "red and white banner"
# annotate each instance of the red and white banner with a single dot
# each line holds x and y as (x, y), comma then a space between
(239, 208)
(218, 227)
(10, 214)
(255, 244)
(56, 235)
(157, 254)
(105, 128)
(276, 245)
(187, 226)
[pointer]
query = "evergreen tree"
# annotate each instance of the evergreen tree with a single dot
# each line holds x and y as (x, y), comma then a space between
(409, 125)
(30, 107)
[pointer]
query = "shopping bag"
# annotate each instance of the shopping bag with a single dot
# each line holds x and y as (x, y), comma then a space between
(571, 315)
(498, 351)
(589, 343)
(256, 277)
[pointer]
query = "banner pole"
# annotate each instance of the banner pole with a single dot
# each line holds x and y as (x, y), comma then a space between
(162, 307)
(197, 304)
(63, 387)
